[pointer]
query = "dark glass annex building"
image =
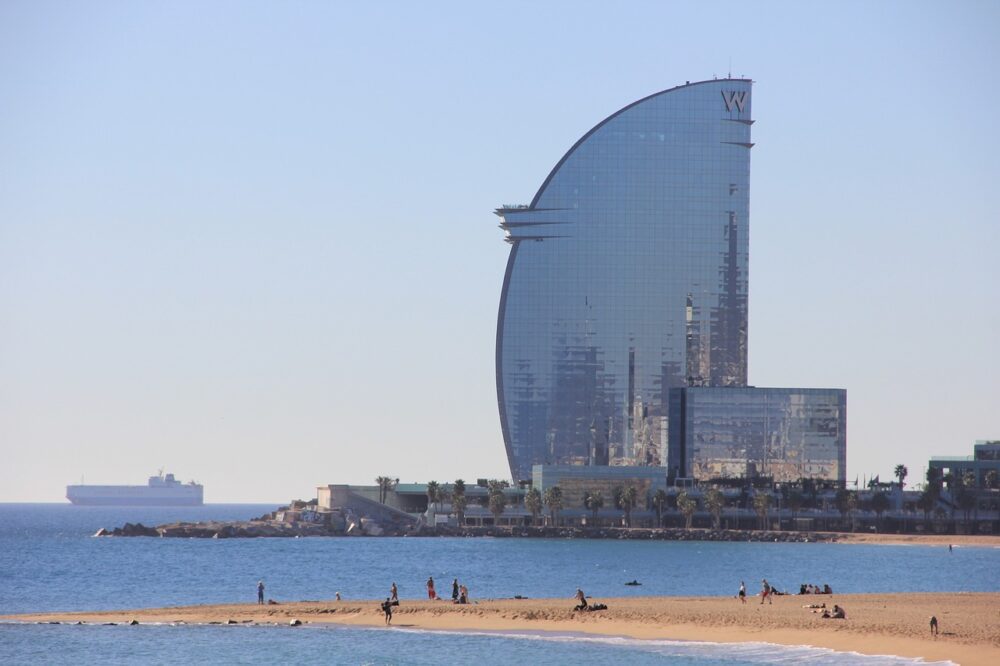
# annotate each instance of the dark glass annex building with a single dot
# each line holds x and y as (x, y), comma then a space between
(627, 277)
(783, 433)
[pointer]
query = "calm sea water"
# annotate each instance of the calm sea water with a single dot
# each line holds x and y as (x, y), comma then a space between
(48, 561)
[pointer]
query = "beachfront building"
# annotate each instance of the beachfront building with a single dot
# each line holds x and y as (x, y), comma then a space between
(785, 434)
(628, 278)
(578, 481)
(983, 465)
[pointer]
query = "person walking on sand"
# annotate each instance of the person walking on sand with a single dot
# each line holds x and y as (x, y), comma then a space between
(742, 594)
(765, 591)
(387, 609)
(431, 594)
(934, 626)
(394, 593)
(260, 593)
(454, 590)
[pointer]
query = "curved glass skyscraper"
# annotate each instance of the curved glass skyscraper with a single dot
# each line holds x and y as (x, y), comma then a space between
(627, 277)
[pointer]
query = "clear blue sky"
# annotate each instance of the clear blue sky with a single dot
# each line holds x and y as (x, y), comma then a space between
(254, 242)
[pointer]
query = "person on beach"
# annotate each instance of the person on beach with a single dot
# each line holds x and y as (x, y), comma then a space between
(394, 594)
(338, 596)
(454, 590)
(260, 593)
(765, 591)
(837, 614)
(463, 594)
(431, 594)
(387, 609)
(934, 625)
(743, 592)
(582, 598)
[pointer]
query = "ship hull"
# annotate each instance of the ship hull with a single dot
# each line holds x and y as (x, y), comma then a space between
(133, 496)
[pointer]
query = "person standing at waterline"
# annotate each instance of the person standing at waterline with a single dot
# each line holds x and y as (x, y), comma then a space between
(260, 593)
(431, 594)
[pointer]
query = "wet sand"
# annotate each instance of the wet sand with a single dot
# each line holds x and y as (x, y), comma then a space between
(876, 623)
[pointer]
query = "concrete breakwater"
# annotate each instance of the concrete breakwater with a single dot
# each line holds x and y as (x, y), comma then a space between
(272, 528)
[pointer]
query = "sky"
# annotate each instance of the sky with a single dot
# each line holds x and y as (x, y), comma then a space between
(253, 244)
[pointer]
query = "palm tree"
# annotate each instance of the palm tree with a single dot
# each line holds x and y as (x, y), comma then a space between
(553, 500)
(385, 484)
(595, 502)
(687, 506)
(533, 503)
(880, 503)
(795, 502)
(968, 497)
(900, 473)
(659, 501)
(990, 479)
(497, 502)
(841, 501)
(715, 501)
(629, 498)
(433, 493)
(762, 504)
(458, 500)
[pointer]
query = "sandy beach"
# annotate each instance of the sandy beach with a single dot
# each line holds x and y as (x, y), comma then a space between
(980, 540)
(876, 623)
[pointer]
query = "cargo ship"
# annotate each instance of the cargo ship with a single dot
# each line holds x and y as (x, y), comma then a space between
(161, 490)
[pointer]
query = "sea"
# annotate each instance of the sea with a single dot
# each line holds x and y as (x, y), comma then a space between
(49, 561)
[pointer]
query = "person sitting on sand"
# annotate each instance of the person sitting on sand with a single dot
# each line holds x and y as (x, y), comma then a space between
(827, 589)
(582, 598)
(387, 609)
(837, 614)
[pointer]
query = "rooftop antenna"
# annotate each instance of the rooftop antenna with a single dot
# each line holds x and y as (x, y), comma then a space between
(730, 75)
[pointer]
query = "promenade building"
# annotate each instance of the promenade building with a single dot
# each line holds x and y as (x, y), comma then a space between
(983, 464)
(628, 279)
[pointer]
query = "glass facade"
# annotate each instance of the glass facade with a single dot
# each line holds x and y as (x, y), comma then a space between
(784, 433)
(627, 277)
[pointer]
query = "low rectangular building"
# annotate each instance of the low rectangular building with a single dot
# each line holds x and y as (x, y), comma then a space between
(985, 459)
(576, 481)
(783, 433)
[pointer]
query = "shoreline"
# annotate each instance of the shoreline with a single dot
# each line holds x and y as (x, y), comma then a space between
(876, 624)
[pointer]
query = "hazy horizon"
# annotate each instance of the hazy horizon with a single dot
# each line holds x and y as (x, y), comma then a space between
(253, 244)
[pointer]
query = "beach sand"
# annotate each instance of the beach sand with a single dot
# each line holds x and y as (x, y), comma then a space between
(876, 623)
(980, 540)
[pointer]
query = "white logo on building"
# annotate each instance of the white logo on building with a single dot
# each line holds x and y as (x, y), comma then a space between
(737, 97)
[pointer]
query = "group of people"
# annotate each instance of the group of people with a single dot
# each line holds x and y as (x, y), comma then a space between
(836, 614)
(806, 588)
(459, 595)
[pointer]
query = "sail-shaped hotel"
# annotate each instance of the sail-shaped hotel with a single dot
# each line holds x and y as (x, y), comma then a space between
(622, 331)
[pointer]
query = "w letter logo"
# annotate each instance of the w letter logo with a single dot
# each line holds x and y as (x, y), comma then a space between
(737, 97)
